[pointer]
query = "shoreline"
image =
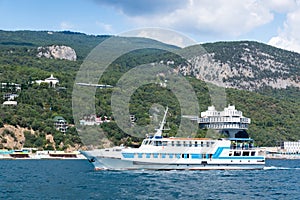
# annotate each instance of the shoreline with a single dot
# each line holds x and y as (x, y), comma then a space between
(40, 155)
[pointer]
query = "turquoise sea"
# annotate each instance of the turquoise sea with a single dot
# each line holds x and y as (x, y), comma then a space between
(76, 179)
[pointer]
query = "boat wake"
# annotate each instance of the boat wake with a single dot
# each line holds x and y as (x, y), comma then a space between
(280, 168)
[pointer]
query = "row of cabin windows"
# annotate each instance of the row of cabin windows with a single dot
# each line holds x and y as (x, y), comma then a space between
(179, 143)
(242, 153)
(172, 155)
(185, 155)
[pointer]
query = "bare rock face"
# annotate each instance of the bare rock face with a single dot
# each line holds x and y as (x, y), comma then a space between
(12, 137)
(57, 52)
(245, 66)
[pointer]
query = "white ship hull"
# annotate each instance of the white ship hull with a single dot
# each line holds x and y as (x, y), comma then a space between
(116, 164)
(159, 153)
(102, 159)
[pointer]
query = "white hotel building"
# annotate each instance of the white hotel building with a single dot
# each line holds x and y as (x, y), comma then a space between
(290, 147)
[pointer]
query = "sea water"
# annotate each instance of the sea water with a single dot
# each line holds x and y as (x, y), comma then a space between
(76, 179)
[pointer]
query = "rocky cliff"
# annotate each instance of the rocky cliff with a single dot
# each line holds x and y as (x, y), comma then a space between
(12, 137)
(57, 52)
(245, 65)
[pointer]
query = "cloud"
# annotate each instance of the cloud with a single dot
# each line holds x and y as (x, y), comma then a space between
(66, 25)
(106, 27)
(217, 19)
(230, 17)
(280, 6)
(162, 35)
(289, 37)
(142, 7)
(290, 44)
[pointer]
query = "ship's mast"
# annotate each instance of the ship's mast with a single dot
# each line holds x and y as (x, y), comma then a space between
(162, 124)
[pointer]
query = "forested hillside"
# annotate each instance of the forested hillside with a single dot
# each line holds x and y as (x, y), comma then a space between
(274, 112)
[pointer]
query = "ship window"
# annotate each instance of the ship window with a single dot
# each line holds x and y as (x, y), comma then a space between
(252, 153)
(128, 155)
(177, 155)
(155, 155)
(164, 143)
(147, 155)
(172, 143)
(163, 155)
(178, 143)
(185, 156)
(190, 143)
(237, 153)
(201, 144)
(246, 153)
(140, 155)
(196, 144)
(184, 144)
(171, 155)
(207, 144)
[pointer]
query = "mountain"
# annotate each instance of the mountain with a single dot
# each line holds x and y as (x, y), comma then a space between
(82, 43)
(245, 65)
(261, 80)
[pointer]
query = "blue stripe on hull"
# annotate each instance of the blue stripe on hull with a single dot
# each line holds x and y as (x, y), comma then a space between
(217, 154)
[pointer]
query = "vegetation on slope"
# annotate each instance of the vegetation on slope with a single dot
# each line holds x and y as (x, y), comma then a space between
(274, 113)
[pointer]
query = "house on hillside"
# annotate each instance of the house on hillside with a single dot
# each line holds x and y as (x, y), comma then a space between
(9, 96)
(93, 120)
(10, 87)
(60, 124)
(52, 81)
(10, 103)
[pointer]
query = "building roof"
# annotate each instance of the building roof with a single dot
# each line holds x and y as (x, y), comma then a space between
(51, 78)
(58, 118)
(10, 103)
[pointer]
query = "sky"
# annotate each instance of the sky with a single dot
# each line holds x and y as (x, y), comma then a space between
(274, 22)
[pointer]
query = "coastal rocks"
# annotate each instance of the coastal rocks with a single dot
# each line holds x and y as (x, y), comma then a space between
(50, 140)
(12, 137)
(57, 52)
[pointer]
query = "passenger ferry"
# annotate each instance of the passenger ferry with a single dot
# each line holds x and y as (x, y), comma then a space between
(159, 153)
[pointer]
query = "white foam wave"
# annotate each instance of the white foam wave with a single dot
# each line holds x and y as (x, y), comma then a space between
(280, 168)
